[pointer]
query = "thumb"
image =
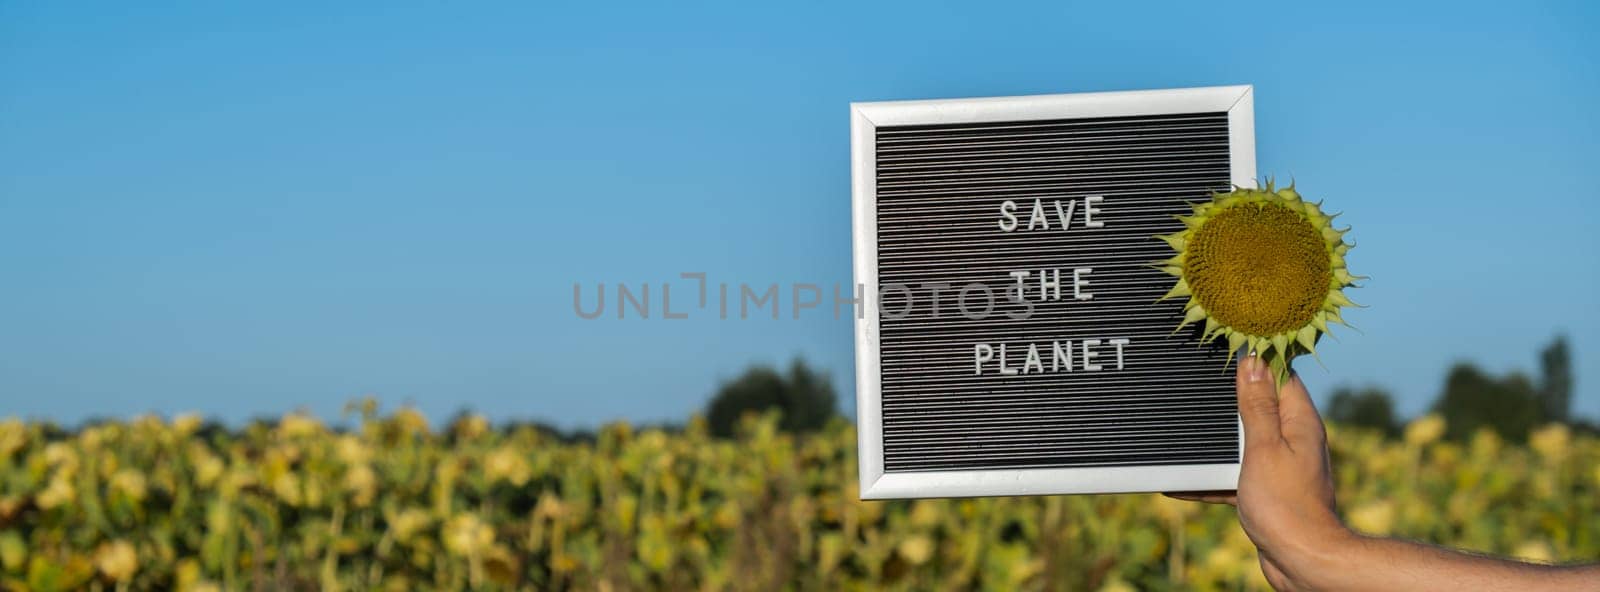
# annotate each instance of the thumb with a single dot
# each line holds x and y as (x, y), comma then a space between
(1258, 402)
(1302, 426)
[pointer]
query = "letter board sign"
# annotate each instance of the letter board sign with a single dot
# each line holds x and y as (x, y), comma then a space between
(1015, 343)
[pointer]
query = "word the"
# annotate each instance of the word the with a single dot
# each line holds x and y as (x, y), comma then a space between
(1050, 283)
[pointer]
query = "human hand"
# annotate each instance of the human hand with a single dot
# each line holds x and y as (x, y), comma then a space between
(1285, 501)
(1285, 494)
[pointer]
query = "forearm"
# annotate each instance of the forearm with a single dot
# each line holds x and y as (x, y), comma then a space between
(1357, 562)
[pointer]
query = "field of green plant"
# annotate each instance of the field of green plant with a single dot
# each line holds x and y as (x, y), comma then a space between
(396, 504)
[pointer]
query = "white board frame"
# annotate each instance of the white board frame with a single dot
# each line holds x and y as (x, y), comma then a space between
(865, 118)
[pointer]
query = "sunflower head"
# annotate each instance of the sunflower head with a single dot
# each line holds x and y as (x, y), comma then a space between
(1262, 268)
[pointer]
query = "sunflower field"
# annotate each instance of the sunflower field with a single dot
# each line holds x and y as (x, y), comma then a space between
(391, 503)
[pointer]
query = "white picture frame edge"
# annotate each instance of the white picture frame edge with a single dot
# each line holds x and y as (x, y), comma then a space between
(1237, 101)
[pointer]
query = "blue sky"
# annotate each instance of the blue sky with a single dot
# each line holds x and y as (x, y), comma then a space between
(242, 210)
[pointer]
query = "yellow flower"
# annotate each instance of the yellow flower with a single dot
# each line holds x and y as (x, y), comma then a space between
(1240, 247)
(13, 550)
(411, 421)
(508, 464)
(549, 506)
(117, 560)
(57, 493)
(146, 423)
(686, 503)
(502, 566)
(467, 535)
(58, 454)
(207, 467)
(287, 487)
(351, 450)
(1551, 441)
(1224, 560)
(186, 423)
(830, 549)
(1535, 551)
(1485, 443)
(917, 549)
(234, 480)
(187, 574)
(1425, 430)
(626, 511)
(408, 522)
(296, 425)
(13, 436)
(1174, 510)
(1373, 517)
(219, 517)
(130, 482)
(872, 511)
(91, 437)
(361, 481)
(1117, 585)
(470, 427)
(653, 547)
(925, 512)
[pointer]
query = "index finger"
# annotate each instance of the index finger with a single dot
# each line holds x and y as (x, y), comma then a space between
(1258, 402)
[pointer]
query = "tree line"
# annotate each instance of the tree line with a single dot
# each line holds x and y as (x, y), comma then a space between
(1471, 398)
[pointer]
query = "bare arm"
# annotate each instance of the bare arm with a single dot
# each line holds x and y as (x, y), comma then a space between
(1371, 563)
(1286, 506)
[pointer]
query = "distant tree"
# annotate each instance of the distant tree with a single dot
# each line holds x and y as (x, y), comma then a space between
(1369, 407)
(805, 396)
(550, 430)
(1555, 381)
(1473, 399)
(1587, 427)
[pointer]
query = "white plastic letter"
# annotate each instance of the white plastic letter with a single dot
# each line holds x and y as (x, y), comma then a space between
(1038, 216)
(1033, 360)
(1061, 355)
(1020, 275)
(1003, 369)
(1089, 355)
(1050, 289)
(1089, 211)
(1066, 216)
(1008, 216)
(981, 353)
(1119, 342)
(1078, 283)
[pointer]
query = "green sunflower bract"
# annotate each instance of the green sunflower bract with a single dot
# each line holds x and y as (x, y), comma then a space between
(1262, 268)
